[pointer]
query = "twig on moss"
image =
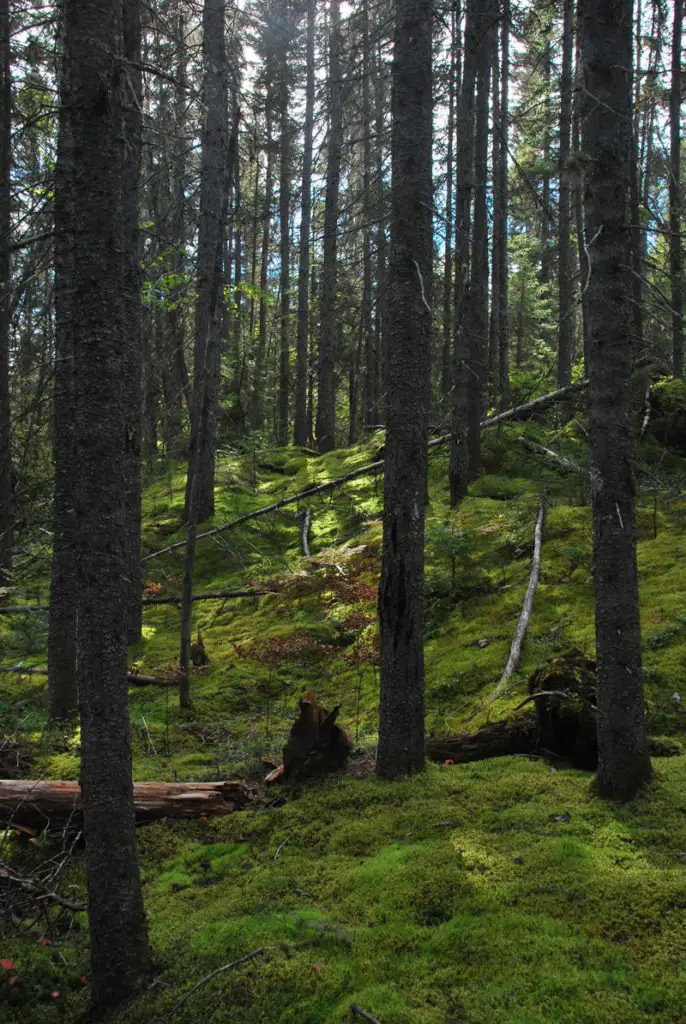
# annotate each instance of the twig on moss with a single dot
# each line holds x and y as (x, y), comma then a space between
(220, 970)
(357, 1011)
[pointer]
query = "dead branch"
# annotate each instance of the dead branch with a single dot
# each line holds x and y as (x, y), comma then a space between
(305, 532)
(132, 677)
(357, 1011)
(564, 464)
(520, 632)
(209, 595)
(10, 879)
(220, 970)
(518, 412)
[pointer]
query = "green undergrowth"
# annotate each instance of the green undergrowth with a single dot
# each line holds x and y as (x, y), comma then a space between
(494, 892)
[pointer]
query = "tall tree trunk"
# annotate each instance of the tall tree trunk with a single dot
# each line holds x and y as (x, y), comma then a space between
(464, 186)
(300, 432)
(623, 761)
(493, 347)
(370, 355)
(578, 192)
(131, 283)
(63, 697)
(119, 950)
(565, 276)
(210, 259)
(380, 289)
(401, 715)
(285, 260)
(448, 319)
(6, 501)
(503, 208)
(637, 260)
(545, 183)
(476, 309)
(261, 349)
(326, 384)
(675, 241)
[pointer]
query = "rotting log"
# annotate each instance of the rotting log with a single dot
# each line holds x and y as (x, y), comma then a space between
(518, 412)
(44, 803)
(516, 735)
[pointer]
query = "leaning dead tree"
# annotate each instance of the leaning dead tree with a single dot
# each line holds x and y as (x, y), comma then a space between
(520, 632)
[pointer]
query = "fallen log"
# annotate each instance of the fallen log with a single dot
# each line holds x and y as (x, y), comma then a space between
(41, 803)
(132, 677)
(516, 413)
(563, 464)
(209, 595)
(516, 735)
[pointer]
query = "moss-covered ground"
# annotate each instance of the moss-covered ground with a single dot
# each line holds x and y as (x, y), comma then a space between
(495, 892)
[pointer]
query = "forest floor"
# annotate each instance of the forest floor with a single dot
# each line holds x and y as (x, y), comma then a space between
(501, 892)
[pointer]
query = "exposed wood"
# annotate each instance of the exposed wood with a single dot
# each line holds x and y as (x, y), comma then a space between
(518, 412)
(42, 803)
(305, 532)
(520, 632)
(560, 461)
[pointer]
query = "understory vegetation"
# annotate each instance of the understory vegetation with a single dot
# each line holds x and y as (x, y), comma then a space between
(501, 891)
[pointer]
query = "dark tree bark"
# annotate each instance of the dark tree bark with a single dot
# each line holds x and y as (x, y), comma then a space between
(464, 186)
(546, 261)
(261, 350)
(503, 208)
(380, 284)
(371, 375)
(300, 432)
(565, 277)
(63, 695)
(401, 722)
(326, 383)
(623, 761)
(578, 192)
(119, 950)
(476, 305)
(637, 260)
(675, 240)
(6, 501)
(285, 260)
(448, 318)
(210, 259)
(131, 282)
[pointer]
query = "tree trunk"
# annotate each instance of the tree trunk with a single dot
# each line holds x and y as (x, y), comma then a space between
(300, 433)
(63, 697)
(261, 350)
(503, 207)
(545, 182)
(566, 308)
(464, 187)
(578, 193)
(675, 240)
(326, 389)
(119, 950)
(401, 715)
(623, 761)
(448, 318)
(476, 308)
(131, 283)
(285, 261)
(6, 501)
(370, 355)
(210, 259)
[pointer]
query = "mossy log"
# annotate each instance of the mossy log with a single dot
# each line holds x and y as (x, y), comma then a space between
(45, 803)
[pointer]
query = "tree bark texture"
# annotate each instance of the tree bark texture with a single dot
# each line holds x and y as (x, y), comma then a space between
(63, 695)
(623, 761)
(98, 93)
(326, 390)
(401, 722)
(300, 431)
(675, 239)
(6, 499)
(210, 258)
(566, 308)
